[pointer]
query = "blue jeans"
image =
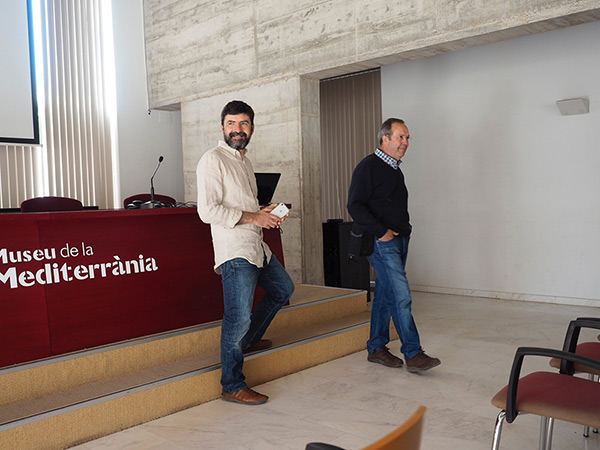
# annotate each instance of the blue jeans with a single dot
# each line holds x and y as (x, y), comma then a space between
(242, 328)
(392, 298)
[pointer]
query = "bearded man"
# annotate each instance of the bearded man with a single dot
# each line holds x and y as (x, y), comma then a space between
(227, 200)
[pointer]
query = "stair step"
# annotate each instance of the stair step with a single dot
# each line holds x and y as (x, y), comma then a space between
(319, 325)
(91, 393)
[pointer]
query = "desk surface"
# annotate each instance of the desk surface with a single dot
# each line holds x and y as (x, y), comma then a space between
(74, 280)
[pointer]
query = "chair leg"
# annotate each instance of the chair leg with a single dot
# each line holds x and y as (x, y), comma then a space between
(586, 429)
(498, 430)
(595, 378)
(543, 432)
(546, 429)
(549, 433)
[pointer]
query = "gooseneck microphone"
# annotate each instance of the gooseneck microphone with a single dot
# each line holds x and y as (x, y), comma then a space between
(160, 160)
(152, 203)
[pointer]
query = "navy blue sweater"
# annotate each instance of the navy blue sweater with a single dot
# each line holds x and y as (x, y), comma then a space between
(372, 184)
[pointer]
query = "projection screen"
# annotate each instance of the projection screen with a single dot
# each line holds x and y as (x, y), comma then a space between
(18, 98)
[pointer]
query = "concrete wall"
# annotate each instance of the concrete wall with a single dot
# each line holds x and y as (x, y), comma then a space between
(267, 52)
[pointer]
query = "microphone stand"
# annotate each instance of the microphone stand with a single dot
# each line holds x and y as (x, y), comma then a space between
(152, 203)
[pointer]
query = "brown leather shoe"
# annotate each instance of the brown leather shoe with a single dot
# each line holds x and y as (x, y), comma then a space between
(383, 356)
(263, 344)
(245, 396)
(421, 362)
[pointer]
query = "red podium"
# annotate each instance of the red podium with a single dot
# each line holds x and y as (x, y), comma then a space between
(75, 280)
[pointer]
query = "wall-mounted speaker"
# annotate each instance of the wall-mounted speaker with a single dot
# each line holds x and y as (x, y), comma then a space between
(573, 106)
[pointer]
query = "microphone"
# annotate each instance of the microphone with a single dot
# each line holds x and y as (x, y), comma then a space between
(160, 160)
(152, 203)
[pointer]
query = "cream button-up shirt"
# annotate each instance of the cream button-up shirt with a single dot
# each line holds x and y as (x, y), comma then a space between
(226, 187)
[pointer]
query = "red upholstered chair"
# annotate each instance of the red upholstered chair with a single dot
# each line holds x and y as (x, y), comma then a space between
(49, 204)
(589, 349)
(550, 395)
(164, 199)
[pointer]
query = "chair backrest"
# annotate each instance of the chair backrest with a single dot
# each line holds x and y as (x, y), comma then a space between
(49, 204)
(589, 349)
(169, 201)
(406, 437)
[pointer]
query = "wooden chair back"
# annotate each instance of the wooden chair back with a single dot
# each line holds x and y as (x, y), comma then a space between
(406, 437)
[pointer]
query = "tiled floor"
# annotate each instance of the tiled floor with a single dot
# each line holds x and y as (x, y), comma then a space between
(351, 402)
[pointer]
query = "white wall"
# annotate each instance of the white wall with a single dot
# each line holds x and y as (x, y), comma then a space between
(504, 191)
(142, 138)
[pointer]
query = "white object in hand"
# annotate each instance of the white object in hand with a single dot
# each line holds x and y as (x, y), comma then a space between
(280, 210)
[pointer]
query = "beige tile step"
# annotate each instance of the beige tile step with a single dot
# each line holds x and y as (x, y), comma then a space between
(309, 306)
(319, 325)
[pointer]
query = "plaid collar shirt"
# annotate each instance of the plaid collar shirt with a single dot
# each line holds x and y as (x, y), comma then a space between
(394, 164)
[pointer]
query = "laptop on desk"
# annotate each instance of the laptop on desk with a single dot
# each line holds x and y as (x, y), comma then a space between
(266, 183)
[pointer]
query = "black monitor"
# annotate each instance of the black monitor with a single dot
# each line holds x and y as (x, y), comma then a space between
(266, 183)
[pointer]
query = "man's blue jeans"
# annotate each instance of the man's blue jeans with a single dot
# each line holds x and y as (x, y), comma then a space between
(392, 298)
(242, 328)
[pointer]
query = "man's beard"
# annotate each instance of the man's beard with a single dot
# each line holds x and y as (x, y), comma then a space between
(238, 144)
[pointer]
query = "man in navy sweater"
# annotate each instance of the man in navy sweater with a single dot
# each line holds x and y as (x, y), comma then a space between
(378, 203)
